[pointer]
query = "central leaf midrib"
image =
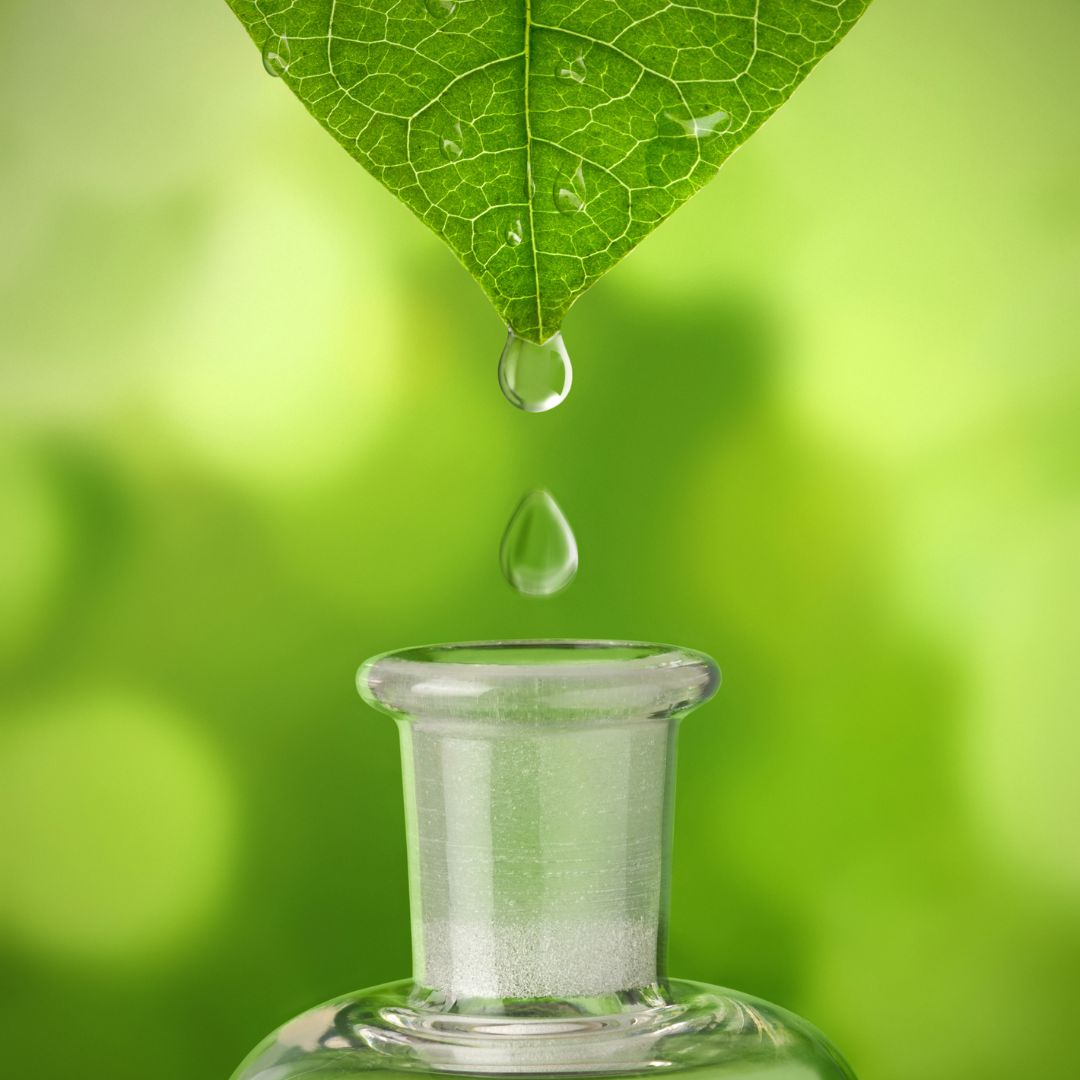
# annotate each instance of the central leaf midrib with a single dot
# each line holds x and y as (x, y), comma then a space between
(530, 187)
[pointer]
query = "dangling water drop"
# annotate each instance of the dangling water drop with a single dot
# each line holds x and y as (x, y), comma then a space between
(515, 234)
(451, 143)
(441, 9)
(569, 192)
(534, 377)
(574, 71)
(538, 554)
(276, 55)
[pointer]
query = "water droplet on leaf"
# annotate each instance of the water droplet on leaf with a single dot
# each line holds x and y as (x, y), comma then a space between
(515, 234)
(452, 143)
(276, 55)
(569, 192)
(441, 9)
(573, 71)
(538, 554)
(680, 139)
(534, 377)
(698, 127)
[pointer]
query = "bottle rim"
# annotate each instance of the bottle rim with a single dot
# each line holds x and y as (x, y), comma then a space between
(539, 679)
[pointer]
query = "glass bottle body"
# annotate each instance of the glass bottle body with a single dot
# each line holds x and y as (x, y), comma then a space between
(538, 782)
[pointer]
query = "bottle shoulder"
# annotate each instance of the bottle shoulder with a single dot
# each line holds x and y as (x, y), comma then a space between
(675, 1026)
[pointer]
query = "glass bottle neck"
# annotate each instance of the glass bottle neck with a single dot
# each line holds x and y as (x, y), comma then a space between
(538, 855)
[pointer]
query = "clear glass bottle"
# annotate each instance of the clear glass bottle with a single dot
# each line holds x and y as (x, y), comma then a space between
(538, 793)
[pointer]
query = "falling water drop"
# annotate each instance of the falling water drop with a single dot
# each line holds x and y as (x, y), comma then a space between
(441, 9)
(276, 55)
(569, 192)
(573, 71)
(452, 143)
(534, 377)
(538, 554)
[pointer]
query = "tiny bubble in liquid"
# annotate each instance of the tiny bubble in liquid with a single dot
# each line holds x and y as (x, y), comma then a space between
(276, 55)
(441, 9)
(538, 554)
(569, 192)
(574, 71)
(451, 143)
(535, 378)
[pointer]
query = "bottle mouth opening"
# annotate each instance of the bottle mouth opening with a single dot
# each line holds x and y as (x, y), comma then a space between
(539, 680)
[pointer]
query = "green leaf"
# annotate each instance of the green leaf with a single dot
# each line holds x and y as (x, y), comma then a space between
(543, 139)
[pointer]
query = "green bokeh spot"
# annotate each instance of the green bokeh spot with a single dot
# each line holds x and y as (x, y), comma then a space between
(120, 826)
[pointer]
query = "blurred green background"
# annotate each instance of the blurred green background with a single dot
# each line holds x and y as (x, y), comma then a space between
(824, 426)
